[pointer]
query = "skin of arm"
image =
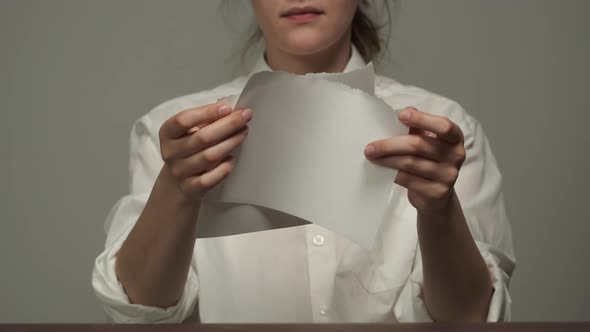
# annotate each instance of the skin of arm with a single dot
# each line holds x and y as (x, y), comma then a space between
(153, 262)
(196, 145)
(457, 283)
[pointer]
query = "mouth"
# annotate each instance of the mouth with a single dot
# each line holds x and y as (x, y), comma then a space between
(302, 14)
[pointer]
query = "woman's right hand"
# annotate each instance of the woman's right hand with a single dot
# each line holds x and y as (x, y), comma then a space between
(196, 146)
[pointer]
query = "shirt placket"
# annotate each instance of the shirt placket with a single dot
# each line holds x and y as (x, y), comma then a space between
(321, 260)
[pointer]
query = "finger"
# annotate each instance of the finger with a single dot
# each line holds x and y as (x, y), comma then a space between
(422, 186)
(180, 124)
(444, 128)
(200, 126)
(216, 175)
(417, 145)
(421, 167)
(208, 180)
(213, 133)
(209, 158)
(422, 132)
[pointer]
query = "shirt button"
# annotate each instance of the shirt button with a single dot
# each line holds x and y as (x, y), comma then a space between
(324, 310)
(319, 240)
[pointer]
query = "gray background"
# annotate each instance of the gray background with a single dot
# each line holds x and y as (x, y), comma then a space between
(75, 74)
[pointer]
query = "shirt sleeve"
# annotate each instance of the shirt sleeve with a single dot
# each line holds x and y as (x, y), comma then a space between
(479, 190)
(145, 164)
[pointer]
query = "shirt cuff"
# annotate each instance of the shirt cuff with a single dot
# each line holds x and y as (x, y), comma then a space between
(410, 306)
(116, 303)
(501, 303)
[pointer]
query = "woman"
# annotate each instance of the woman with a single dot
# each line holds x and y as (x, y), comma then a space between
(446, 254)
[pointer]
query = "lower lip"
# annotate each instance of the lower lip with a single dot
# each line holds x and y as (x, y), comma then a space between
(306, 17)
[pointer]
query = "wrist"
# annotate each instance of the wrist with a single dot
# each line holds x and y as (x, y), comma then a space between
(170, 186)
(443, 213)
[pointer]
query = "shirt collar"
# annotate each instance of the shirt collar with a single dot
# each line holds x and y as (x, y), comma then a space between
(355, 62)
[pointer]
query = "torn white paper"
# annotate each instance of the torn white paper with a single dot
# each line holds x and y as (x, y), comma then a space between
(303, 159)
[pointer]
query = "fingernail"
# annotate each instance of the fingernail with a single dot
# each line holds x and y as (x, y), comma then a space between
(369, 150)
(405, 115)
(247, 114)
(224, 110)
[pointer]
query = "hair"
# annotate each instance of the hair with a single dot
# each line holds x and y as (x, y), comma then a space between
(366, 30)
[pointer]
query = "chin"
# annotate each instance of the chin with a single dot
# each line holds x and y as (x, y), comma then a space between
(306, 43)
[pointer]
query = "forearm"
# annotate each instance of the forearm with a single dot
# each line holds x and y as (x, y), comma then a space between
(153, 262)
(457, 284)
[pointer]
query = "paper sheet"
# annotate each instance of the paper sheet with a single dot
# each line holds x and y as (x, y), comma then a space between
(303, 159)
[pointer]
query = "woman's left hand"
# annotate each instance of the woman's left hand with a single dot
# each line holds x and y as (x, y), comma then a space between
(428, 159)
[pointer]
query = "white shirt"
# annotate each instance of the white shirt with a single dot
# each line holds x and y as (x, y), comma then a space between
(308, 273)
